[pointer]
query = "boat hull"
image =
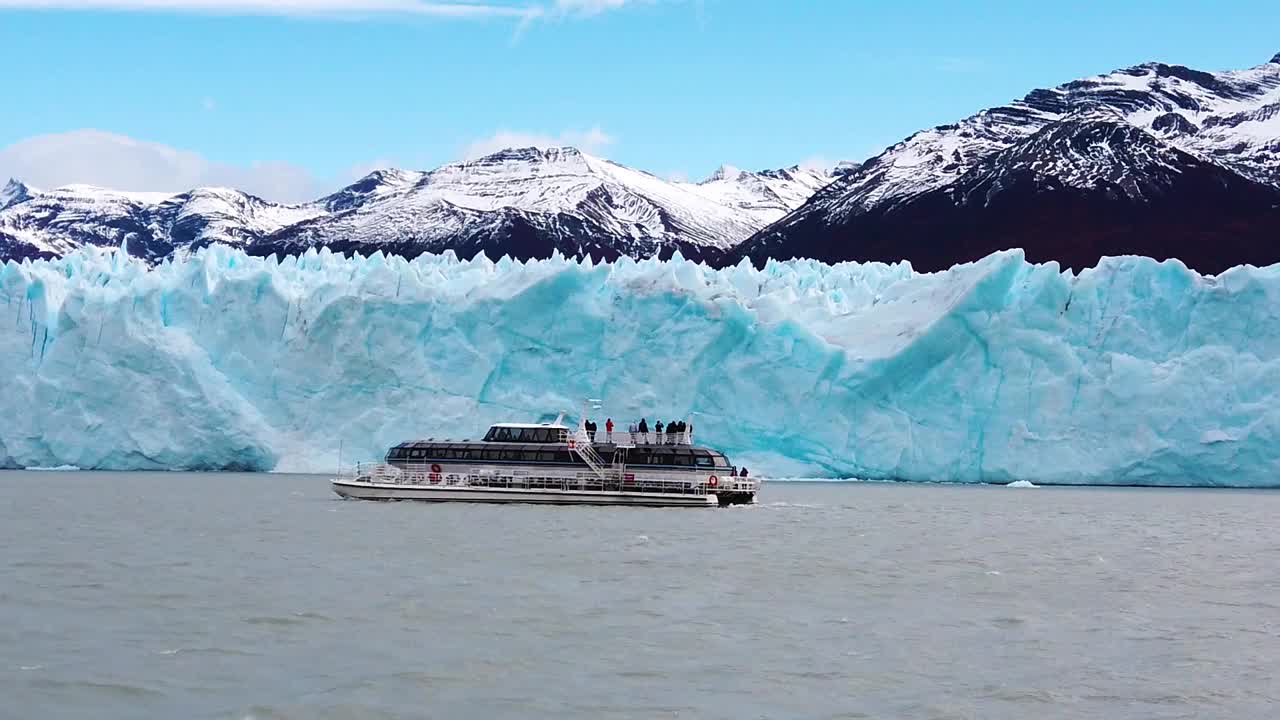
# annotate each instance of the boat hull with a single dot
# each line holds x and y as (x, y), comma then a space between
(462, 493)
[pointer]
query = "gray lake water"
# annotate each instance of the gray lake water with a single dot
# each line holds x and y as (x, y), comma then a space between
(127, 595)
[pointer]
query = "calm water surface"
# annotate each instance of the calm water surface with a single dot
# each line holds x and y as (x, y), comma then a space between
(129, 595)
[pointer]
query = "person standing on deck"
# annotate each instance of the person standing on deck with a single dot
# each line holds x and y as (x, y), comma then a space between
(608, 429)
(657, 428)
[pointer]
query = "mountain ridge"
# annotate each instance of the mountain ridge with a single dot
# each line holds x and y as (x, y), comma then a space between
(1163, 119)
(525, 202)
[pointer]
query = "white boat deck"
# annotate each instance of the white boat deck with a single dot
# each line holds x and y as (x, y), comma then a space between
(611, 486)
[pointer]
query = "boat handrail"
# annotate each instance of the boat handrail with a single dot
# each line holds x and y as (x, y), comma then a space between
(627, 437)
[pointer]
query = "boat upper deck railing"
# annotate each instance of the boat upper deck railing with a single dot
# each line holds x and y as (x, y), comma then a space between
(628, 438)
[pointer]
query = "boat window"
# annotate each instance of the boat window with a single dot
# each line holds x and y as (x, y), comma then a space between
(468, 454)
(704, 461)
(504, 434)
(528, 456)
(417, 453)
(564, 457)
(721, 462)
(542, 435)
(489, 436)
(547, 457)
(491, 455)
(510, 454)
(684, 460)
(660, 460)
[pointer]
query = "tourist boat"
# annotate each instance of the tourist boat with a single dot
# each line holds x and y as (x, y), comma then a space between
(550, 463)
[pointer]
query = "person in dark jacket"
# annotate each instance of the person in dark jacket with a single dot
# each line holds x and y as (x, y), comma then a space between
(644, 426)
(744, 471)
(657, 429)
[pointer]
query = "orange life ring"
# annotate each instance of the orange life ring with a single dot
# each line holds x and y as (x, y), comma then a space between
(435, 468)
(714, 481)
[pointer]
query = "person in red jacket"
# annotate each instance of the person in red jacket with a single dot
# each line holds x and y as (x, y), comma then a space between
(608, 430)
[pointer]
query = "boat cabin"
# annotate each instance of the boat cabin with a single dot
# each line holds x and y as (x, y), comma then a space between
(682, 457)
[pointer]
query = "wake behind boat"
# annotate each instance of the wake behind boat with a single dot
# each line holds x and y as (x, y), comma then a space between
(549, 463)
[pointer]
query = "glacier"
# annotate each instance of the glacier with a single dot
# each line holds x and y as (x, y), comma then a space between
(1134, 372)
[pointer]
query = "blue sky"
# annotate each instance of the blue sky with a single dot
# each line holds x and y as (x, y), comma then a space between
(290, 100)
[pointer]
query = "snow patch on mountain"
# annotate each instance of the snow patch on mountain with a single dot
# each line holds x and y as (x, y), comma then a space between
(766, 196)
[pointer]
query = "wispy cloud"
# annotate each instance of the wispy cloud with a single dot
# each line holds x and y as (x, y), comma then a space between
(591, 141)
(120, 162)
(817, 162)
(292, 7)
(589, 7)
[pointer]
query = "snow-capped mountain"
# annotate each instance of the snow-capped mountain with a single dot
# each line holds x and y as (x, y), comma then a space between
(767, 195)
(530, 202)
(35, 223)
(12, 193)
(521, 202)
(1155, 159)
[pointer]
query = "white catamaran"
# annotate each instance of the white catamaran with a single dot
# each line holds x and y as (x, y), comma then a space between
(549, 463)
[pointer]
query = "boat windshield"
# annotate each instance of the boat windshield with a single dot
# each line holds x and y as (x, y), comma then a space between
(501, 433)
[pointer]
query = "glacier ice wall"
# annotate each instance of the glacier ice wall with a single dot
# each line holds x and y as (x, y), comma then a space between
(1135, 372)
